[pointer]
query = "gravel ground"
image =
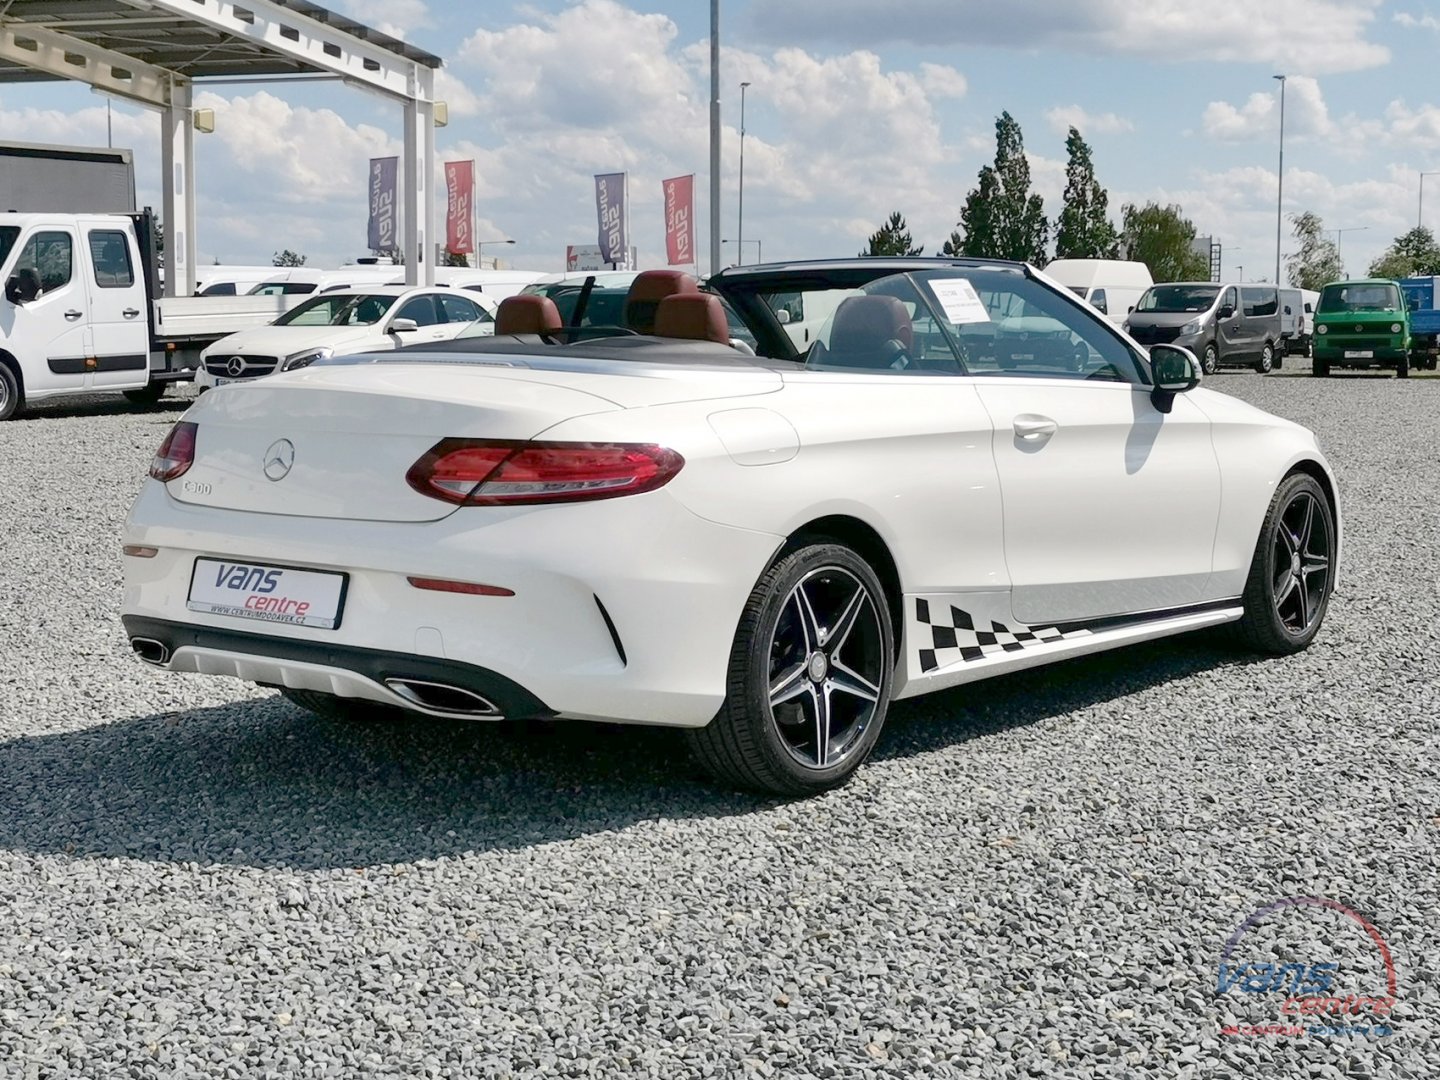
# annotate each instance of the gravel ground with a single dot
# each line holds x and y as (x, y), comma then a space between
(1036, 876)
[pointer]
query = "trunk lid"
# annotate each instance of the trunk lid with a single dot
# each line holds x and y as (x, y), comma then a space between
(353, 432)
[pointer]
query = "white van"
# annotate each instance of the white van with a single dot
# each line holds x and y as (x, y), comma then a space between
(496, 283)
(231, 280)
(1112, 286)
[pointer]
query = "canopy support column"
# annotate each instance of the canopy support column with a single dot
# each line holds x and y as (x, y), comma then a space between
(177, 158)
(419, 180)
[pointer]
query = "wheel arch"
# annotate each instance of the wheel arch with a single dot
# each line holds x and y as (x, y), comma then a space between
(1314, 469)
(861, 538)
(8, 359)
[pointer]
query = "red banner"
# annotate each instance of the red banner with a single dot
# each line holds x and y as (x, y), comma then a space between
(680, 219)
(459, 231)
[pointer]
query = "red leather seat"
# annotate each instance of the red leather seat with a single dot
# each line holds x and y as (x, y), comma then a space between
(525, 314)
(646, 292)
(697, 317)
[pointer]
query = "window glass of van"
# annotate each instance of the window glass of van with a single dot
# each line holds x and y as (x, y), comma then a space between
(1259, 302)
(224, 288)
(1097, 300)
(1369, 296)
(110, 254)
(49, 254)
(8, 235)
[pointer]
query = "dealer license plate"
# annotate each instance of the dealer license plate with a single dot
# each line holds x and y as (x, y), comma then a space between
(1359, 354)
(275, 594)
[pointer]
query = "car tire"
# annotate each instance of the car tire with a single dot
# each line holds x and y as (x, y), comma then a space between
(10, 396)
(1402, 369)
(1266, 363)
(333, 707)
(1285, 606)
(809, 679)
(148, 394)
(1210, 361)
(1320, 368)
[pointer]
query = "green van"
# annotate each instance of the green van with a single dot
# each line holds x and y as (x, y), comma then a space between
(1362, 324)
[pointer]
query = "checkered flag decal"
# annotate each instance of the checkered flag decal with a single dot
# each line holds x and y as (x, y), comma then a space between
(955, 637)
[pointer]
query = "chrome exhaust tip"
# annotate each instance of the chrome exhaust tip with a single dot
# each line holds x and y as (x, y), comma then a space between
(151, 651)
(444, 699)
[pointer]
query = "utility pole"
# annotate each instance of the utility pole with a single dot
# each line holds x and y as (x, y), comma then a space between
(1280, 182)
(740, 224)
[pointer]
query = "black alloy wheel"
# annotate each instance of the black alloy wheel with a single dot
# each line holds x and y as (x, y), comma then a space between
(1293, 570)
(810, 676)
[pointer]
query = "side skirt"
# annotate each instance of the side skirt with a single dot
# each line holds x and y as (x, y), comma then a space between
(948, 646)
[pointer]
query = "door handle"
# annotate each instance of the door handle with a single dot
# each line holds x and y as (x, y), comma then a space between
(73, 315)
(1034, 428)
(130, 312)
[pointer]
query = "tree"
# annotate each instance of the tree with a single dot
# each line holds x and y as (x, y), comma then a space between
(955, 245)
(288, 258)
(1413, 254)
(1318, 261)
(1000, 218)
(454, 259)
(1164, 240)
(893, 238)
(1084, 230)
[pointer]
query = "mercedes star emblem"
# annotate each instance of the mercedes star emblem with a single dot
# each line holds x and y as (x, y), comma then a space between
(236, 366)
(279, 459)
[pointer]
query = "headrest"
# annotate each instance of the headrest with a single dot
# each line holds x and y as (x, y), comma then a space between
(527, 314)
(646, 292)
(866, 323)
(698, 317)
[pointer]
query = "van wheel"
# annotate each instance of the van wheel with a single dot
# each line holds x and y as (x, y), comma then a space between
(1211, 360)
(1266, 363)
(1402, 369)
(10, 399)
(1320, 368)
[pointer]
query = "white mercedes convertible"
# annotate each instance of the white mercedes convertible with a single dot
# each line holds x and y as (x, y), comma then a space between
(958, 470)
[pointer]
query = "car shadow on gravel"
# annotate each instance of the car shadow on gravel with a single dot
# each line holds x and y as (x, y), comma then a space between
(169, 407)
(261, 783)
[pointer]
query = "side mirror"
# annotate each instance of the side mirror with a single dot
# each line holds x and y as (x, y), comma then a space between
(403, 326)
(21, 288)
(1131, 309)
(783, 316)
(1175, 371)
(1227, 311)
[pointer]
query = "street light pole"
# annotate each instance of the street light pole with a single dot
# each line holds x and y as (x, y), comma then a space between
(1340, 238)
(740, 224)
(1420, 211)
(714, 136)
(1280, 183)
(480, 250)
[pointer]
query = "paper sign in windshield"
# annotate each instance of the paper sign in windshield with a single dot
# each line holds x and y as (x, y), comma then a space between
(959, 300)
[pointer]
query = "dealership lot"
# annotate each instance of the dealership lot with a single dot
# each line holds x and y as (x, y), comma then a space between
(1034, 875)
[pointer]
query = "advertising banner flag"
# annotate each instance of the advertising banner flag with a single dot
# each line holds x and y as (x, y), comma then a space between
(680, 219)
(384, 202)
(459, 233)
(610, 208)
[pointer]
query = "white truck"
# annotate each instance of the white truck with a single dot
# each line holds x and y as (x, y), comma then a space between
(82, 314)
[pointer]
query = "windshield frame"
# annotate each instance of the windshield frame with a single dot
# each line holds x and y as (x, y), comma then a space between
(355, 299)
(1141, 309)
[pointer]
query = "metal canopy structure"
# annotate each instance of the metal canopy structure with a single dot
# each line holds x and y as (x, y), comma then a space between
(155, 52)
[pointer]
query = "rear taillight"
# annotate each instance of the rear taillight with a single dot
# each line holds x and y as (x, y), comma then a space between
(176, 453)
(488, 472)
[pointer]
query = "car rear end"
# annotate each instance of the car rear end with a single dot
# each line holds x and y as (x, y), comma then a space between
(424, 536)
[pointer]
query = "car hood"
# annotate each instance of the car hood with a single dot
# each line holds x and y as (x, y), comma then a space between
(289, 340)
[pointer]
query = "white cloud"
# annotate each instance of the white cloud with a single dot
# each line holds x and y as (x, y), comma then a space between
(1064, 117)
(943, 81)
(1413, 22)
(1330, 35)
(833, 144)
(394, 17)
(1306, 113)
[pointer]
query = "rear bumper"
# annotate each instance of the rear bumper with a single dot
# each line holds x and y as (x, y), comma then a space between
(624, 609)
(343, 670)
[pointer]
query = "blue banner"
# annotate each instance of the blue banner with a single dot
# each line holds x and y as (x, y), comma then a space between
(384, 197)
(610, 208)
